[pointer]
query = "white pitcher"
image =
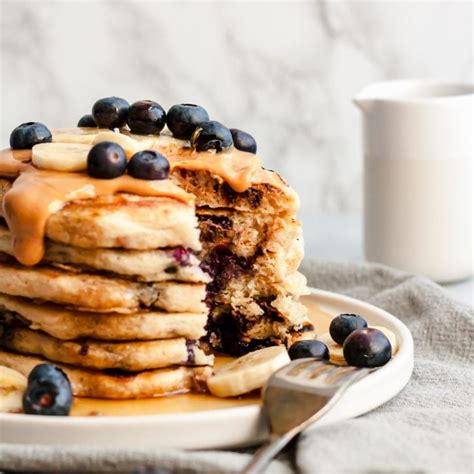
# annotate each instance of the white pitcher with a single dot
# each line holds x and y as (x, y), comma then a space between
(418, 154)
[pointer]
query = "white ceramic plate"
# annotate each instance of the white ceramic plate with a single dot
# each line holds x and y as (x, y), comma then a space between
(228, 425)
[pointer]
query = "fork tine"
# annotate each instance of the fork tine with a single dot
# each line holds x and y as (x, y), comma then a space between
(297, 367)
(348, 377)
(340, 373)
(318, 371)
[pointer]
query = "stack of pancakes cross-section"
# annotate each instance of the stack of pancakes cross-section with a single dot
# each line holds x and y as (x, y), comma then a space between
(252, 248)
(117, 301)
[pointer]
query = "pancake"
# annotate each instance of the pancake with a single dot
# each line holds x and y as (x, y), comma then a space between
(126, 221)
(130, 356)
(212, 191)
(123, 220)
(66, 324)
(145, 265)
(99, 293)
(99, 384)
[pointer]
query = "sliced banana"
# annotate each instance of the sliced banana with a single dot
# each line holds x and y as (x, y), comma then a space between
(336, 356)
(247, 373)
(390, 336)
(61, 156)
(76, 135)
(129, 144)
(165, 142)
(12, 386)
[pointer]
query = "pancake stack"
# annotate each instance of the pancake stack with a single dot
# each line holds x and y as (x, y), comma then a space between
(134, 290)
(117, 300)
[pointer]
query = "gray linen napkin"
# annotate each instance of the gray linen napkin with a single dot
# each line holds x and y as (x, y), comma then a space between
(427, 428)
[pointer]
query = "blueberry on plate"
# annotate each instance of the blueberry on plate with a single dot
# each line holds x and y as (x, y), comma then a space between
(243, 141)
(48, 393)
(367, 347)
(341, 326)
(148, 164)
(309, 348)
(106, 160)
(87, 121)
(28, 134)
(211, 136)
(146, 117)
(182, 119)
(110, 112)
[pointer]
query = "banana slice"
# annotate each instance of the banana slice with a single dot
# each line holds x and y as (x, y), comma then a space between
(390, 336)
(336, 354)
(247, 373)
(165, 142)
(61, 156)
(12, 386)
(130, 145)
(76, 135)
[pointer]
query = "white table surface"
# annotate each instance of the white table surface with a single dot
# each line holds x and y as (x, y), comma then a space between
(339, 237)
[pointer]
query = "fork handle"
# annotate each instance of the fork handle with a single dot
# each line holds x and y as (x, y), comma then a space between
(262, 457)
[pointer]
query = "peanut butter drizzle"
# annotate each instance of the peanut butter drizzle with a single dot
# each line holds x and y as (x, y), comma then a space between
(36, 194)
(238, 168)
(13, 162)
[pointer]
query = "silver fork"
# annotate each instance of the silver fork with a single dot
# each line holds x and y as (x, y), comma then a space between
(297, 396)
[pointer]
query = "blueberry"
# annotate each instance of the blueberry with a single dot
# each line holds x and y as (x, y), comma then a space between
(48, 393)
(243, 141)
(28, 134)
(149, 164)
(309, 348)
(182, 119)
(211, 136)
(106, 160)
(367, 348)
(146, 117)
(110, 112)
(342, 325)
(87, 121)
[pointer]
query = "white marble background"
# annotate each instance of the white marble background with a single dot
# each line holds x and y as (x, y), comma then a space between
(284, 71)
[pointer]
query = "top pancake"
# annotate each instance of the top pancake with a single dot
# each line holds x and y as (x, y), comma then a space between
(122, 220)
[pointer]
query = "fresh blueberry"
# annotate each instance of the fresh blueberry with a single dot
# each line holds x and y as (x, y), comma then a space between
(28, 134)
(110, 112)
(48, 393)
(211, 136)
(309, 348)
(341, 326)
(243, 141)
(106, 160)
(149, 164)
(182, 119)
(367, 348)
(87, 121)
(146, 117)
